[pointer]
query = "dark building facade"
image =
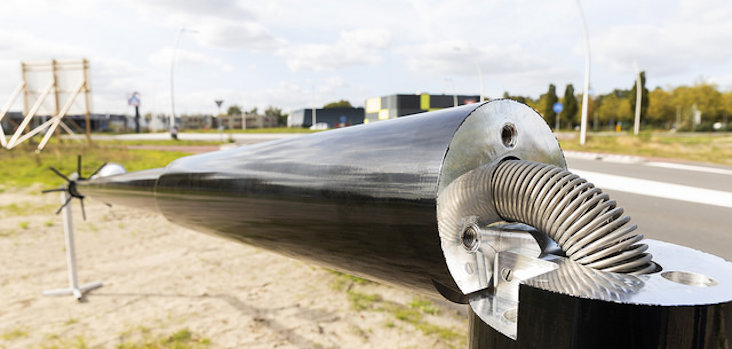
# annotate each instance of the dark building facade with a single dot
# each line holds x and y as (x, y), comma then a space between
(334, 117)
(394, 106)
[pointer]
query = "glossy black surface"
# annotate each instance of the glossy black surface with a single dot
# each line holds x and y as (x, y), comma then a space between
(359, 199)
(553, 320)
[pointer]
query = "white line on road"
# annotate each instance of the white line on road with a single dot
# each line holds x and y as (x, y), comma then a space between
(689, 167)
(658, 189)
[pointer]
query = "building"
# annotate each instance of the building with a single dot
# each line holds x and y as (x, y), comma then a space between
(333, 117)
(77, 123)
(394, 106)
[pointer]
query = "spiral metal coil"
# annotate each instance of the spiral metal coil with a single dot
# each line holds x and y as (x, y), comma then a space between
(582, 219)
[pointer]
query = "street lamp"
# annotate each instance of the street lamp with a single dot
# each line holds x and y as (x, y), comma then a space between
(172, 70)
(586, 87)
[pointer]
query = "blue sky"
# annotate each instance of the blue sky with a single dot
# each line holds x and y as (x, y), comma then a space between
(295, 54)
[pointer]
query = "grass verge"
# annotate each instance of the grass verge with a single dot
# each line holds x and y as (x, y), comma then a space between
(23, 167)
(713, 148)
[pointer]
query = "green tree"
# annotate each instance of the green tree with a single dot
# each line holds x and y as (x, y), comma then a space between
(612, 108)
(233, 110)
(661, 110)
(253, 111)
(549, 99)
(277, 113)
(569, 113)
(644, 96)
(340, 104)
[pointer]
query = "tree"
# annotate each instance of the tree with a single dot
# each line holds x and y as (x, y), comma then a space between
(277, 113)
(233, 110)
(569, 113)
(613, 107)
(661, 110)
(253, 111)
(644, 96)
(340, 104)
(549, 99)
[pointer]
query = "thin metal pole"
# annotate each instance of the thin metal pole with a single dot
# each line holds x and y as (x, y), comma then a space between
(638, 100)
(70, 245)
(586, 87)
(480, 76)
(172, 88)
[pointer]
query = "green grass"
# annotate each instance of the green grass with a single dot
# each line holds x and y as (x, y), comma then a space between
(14, 334)
(142, 337)
(23, 167)
(713, 148)
(166, 142)
(257, 130)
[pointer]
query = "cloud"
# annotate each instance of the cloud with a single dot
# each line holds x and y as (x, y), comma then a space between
(461, 58)
(353, 47)
(162, 58)
(696, 35)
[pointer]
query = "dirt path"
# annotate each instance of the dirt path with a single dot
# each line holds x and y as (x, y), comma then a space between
(166, 285)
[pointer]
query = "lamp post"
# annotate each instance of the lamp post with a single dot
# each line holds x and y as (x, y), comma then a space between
(172, 71)
(586, 86)
(638, 99)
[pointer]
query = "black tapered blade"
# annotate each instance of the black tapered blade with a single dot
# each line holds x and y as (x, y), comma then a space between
(52, 190)
(83, 212)
(97, 170)
(78, 166)
(60, 174)
(64, 205)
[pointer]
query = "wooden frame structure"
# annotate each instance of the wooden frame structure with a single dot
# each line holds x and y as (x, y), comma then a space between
(52, 88)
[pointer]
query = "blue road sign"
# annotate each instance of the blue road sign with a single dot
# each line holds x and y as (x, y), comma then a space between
(133, 99)
(557, 107)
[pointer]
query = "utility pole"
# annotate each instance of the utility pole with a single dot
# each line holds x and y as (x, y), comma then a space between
(586, 87)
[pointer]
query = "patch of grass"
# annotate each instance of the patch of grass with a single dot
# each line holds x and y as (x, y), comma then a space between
(24, 225)
(424, 306)
(56, 342)
(363, 301)
(23, 167)
(15, 333)
(141, 337)
(344, 282)
(413, 314)
(7, 233)
(49, 223)
(258, 130)
(71, 321)
(710, 148)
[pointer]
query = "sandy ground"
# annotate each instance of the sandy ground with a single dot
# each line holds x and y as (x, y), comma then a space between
(160, 279)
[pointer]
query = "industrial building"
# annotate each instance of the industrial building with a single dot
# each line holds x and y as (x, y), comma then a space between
(333, 117)
(394, 106)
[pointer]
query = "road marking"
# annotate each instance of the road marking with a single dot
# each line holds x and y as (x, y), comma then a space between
(658, 189)
(689, 167)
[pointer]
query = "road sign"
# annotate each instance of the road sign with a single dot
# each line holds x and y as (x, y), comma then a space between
(133, 99)
(557, 107)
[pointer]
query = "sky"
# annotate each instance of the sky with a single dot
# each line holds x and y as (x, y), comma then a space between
(296, 54)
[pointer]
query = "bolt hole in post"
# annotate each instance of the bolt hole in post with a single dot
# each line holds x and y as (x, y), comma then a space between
(470, 239)
(508, 135)
(689, 279)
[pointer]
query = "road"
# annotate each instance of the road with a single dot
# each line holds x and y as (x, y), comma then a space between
(682, 203)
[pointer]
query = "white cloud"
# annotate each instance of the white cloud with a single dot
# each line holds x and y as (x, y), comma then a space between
(162, 58)
(696, 35)
(353, 47)
(461, 58)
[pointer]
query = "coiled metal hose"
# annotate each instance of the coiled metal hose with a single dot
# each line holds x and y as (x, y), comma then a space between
(582, 219)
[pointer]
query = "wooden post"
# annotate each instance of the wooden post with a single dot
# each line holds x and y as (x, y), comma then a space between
(87, 99)
(54, 72)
